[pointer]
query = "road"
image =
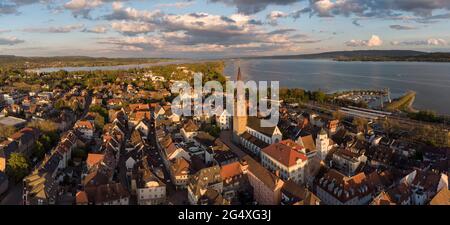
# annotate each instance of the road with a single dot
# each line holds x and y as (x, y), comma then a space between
(174, 196)
(225, 137)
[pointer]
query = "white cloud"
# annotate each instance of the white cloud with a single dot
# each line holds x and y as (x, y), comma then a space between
(428, 42)
(374, 41)
(82, 4)
(177, 5)
(434, 41)
(273, 17)
(10, 41)
(97, 30)
(132, 28)
(62, 29)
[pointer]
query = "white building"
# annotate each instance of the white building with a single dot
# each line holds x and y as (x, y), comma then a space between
(323, 145)
(223, 120)
(286, 160)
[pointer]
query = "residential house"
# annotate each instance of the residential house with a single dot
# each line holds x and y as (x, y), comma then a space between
(86, 128)
(108, 194)
(235, 180)
(348, 161)
(189, 130)
(180, 172)
(295, 194)
(25, 139)
(441, 198)
(424, 185)
(150, 190)
(81, 198)
(223, 120)
(40, 188)
(382, 199)
(200, 182)
(266, 186)
(94, 159)
(334, 188)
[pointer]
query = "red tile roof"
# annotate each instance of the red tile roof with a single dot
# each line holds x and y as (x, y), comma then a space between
(84, 124)
(286, 152)
(93, 159)
(81, 198)
(230, 170)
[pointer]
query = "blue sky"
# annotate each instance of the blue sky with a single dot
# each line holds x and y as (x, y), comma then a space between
(217, 28)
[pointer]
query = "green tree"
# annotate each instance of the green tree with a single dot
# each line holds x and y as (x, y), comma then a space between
(360, 124)
(17, 166)
(39, 150)
(45, 126)
(100, 110)
(99, 122)
(6, 131)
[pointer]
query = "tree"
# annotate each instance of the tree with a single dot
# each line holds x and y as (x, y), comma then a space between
(17, 166)
(100, 110)
(6, 131)
(61, 104)
(99, 122)
(337, 115)
(45, 126)
(39, 150)
(360, 123)
(319, 96)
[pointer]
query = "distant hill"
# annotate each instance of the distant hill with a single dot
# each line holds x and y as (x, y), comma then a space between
(370, 55)
(21, 62)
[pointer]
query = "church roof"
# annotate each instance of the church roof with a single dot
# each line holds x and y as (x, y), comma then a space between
(255, 124)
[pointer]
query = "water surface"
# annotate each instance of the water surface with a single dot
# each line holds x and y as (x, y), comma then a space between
(431, 81)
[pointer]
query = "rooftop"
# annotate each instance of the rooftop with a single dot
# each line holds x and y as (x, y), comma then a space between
(286, 152)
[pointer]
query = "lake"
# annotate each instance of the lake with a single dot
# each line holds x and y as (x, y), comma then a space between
(431, 81)
(109, 68)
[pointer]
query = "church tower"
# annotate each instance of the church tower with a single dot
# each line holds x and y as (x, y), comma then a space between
(239, 119)
(322, 144)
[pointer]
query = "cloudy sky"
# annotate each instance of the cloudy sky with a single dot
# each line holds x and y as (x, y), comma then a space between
(216, 28)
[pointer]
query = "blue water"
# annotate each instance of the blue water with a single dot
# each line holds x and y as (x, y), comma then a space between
(431, 81)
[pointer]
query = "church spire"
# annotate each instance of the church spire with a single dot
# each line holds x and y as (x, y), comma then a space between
(239, 76)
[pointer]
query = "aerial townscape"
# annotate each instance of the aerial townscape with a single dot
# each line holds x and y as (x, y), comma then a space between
(258, 107)
(111, 138)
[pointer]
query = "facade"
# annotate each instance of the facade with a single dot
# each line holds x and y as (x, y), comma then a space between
(235, 180)
(334, 188)
(323, 145)
(108, 194)
(150, 190)
(266, 186)
(348, 161)
(294, 194)
(204, 179)
(223, 121)
(86, 128)
(180, 171)
(286, 159)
